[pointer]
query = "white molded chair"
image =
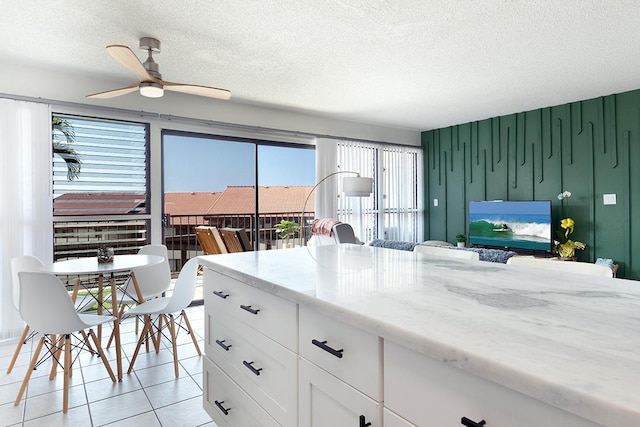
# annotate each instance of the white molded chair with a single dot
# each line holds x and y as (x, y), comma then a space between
(18, 264)
(32, 264)
(152, 281)
(568, 266)
(160, 308)
(443, 251)
(46, 306)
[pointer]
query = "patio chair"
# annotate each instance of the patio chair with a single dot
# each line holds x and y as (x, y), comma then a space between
(231, 240)
(45, 306)
(210, 240)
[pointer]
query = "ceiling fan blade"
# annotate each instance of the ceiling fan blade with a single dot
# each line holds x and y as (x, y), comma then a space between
(126, 57)
(211, 92)
(115, 92)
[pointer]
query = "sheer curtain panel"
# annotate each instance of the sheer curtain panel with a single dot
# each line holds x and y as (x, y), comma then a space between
(395, 209)
(25, 195)
(326, 193)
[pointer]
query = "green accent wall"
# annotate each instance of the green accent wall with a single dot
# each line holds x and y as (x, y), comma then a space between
(586, 147)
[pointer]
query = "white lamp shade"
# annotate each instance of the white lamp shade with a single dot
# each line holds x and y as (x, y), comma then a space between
(151, 89)
(357, 186)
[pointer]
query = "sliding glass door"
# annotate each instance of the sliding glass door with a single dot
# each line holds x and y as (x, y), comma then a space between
(243, 185)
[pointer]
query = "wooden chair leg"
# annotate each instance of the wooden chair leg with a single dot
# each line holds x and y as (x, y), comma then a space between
(113, 331)
(157, 337)
(105, 362)
(16, 353)
(143, 336)
(56, 350)
(67, 373)
(172, 329)
(30, 369)
(193, 336)
(146, 318)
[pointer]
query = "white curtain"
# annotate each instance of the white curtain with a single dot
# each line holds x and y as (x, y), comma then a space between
(395, 209)
(327, 192)
(25, 196)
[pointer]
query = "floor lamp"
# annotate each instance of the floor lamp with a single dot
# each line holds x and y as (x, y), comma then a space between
(354, 186)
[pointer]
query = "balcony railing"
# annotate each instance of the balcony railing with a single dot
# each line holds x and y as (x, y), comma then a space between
(77, 239)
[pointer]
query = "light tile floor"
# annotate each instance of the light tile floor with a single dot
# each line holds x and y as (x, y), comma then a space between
(149, 396)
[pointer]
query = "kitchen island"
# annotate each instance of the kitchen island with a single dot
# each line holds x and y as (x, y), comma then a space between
(396, 338)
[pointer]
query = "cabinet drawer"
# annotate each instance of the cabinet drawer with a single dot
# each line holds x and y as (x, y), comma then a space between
(222, 395)
(353, 355)
(429, 392)
(271, 315)
(327, 401)
(392, 420)
(263, 368)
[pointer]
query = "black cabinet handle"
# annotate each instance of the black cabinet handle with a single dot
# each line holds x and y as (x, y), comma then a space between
(249, 309)
(469, 423)
(363, 422)
(323, 345)
(220, 294)
(251, 368)
(219, 405)
(223, 345)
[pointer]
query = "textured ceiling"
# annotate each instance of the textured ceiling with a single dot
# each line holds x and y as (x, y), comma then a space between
(416, 64)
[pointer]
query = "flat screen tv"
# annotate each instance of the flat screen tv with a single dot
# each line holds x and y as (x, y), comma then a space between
(511, 224)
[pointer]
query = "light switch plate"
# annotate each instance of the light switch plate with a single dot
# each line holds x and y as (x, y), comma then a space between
(609, 199)
(435, 202)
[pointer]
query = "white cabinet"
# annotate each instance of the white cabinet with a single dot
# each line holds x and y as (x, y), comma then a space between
(272, 362)
(229, 405)
(327, 401)
(349, 353)
(340, 373)
(251, 358)
(391, 419)
(428, 392)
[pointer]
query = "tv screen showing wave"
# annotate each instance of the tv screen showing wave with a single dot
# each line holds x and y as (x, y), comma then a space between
(511, 224)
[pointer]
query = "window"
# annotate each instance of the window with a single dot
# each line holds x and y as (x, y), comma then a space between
(212, 180)
(394, 211)
(105, 202)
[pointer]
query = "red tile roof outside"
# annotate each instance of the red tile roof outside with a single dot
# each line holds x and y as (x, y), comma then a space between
(98, 204)
(272, 200)
(234, 200)
(192, 203)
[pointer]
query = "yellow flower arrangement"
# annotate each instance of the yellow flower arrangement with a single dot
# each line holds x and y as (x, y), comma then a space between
(564, 246)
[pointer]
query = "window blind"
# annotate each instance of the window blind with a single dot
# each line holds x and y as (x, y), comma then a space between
(394, 210)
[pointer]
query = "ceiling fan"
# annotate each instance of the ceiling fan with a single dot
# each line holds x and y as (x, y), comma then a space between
(151, 84)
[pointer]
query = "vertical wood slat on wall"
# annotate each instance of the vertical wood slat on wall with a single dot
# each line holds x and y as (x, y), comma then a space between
(586, 147)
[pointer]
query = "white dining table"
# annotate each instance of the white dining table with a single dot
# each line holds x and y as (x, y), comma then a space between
(90, 265)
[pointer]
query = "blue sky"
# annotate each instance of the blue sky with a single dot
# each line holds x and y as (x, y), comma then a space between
(198, 164)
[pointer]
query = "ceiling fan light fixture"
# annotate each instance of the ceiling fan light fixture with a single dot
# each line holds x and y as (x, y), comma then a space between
(151, 89)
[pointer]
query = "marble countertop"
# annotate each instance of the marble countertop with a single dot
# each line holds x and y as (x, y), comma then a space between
(571, 341)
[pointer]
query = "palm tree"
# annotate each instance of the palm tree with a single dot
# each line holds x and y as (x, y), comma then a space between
(62, 148)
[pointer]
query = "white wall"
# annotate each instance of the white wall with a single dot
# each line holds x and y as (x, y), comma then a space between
(28, 81)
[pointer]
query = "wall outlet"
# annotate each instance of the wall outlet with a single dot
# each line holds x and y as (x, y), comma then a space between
(435, 202)
(609, 199)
